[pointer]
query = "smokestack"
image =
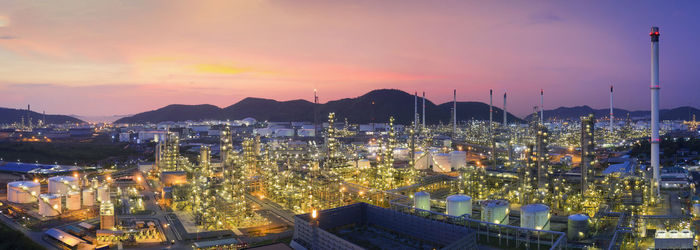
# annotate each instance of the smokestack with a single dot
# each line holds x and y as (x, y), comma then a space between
(505, 112)
(542, 106)
(612, 116)
(655, 105)
(315, 113)
(490, 109)
(415, 110)
(454, 114)
(424, 109)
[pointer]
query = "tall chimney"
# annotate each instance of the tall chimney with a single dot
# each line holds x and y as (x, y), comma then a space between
(424, 109)
(454, 114)
(315, 113)
(505, 112)
(490, 109)
(612, 116)
(655, 105)
(415, 110)
(542, 106)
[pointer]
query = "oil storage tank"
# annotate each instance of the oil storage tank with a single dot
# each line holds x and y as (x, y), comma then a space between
(421, 200)
(88, 197)
(102, 193)
(459, 204)
(73, 200)
(577, 226)
(23, 191)
(62, 184)
(535, 216)
(49, 205)
(441, 163)
(495, 211)
(458, 159)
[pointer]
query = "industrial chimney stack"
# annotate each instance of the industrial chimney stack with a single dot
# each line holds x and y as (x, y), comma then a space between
(654, 34)
(505, 111)
(542, 106)
(612, 116)
(454, 114)
(423, 109)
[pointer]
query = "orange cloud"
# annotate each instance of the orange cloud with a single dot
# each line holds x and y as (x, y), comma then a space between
(219, 69)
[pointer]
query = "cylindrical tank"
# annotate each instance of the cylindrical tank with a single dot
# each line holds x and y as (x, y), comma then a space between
(458, 159)
(495, 211)
(696, 210)
(577, 226)
(362, 164)
(73, 200)
(535, 216)
(23, 191)
(62, 184)
(459, 204)
(88, 197)
(421, 200)
(421, 160)
(49, 204)
(441, 163)
(102, 193)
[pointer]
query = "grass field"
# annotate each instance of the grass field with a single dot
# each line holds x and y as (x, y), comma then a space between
(11, 239)
(68, 153)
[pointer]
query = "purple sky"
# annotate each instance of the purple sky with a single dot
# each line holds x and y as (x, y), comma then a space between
(122, 57)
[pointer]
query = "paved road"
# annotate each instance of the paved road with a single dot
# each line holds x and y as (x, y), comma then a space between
(286, 216)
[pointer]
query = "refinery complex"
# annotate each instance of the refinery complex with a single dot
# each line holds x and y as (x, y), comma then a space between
(543, 183)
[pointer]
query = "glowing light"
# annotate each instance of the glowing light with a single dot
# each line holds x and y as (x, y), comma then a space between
(314, 214)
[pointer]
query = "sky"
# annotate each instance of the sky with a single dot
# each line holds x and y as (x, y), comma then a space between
(125, 57)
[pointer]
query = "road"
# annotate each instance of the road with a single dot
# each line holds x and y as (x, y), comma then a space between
(286, 216)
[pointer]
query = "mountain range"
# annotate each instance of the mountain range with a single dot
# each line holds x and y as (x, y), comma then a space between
(9, 116)
(575, 113)
(374, 106)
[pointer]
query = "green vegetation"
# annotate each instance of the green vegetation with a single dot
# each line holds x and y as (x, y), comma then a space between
(83, 152)
(12, 239)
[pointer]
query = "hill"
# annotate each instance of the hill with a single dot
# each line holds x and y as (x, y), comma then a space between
(375, 106)
(574, 113)
(9, 116)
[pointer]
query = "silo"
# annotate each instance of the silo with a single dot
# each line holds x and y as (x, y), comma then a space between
(88, 197)
(458, 159)
(22, 191)
(102, 193)
(441, 163)
(459, 204)
(421, 200)
(535, 216)
(577, 227)
(495, 211)
(62, 184)
(73, 200)
(49, 204)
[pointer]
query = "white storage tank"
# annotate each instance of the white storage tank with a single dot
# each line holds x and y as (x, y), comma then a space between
(495, 211)
(535, 216)
(62, 184)
(458, 159)
(88, 197)
(49, 205)
(441, 163)
(577, 226)
(696, 210)
(401, 153)
(73, 200)
(23, 191)
(459, 204)
(421, 160)
(102, 193)
(421, 200)
(362, 164)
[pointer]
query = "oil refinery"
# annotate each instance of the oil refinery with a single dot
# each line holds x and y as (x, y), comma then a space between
(390, 181)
